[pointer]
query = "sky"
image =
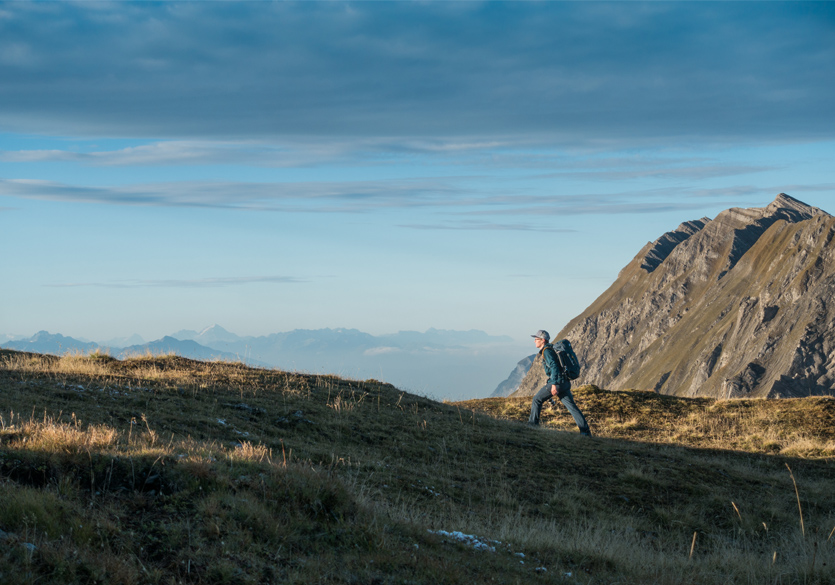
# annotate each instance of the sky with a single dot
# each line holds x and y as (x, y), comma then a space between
(384, 166)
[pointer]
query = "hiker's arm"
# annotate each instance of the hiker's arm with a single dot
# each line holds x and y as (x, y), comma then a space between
(554, 373)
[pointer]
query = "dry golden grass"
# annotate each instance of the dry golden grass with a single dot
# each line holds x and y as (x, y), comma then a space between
(165, 470)
(802, 427)
(53, 437)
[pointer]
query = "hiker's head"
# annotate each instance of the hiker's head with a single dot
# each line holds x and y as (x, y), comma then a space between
(541, 337)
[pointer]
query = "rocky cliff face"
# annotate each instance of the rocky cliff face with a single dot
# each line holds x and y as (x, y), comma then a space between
(739, 306)
(514, 380)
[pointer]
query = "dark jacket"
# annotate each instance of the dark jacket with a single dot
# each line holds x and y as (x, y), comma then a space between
(552, 366)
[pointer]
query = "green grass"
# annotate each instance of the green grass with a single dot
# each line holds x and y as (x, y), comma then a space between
(166, 470)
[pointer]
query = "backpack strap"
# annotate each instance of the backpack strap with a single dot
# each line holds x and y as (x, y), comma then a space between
(559, 360)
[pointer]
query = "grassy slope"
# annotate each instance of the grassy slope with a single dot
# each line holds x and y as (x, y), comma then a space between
(165, 470)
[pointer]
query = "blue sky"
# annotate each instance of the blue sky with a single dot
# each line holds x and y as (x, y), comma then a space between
(384, 166)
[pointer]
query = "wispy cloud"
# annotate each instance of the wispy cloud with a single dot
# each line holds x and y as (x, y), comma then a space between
(486, 226)
(663, 171)
(381, 351)
(489, 156)
(157, 154)
(453, 196)
(193, 283)
(577, 209)
(286, 153)
(348, 196)
(639, 201)
(813, 188)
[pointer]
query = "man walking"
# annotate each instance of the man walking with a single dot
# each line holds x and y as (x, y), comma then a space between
(557, 385)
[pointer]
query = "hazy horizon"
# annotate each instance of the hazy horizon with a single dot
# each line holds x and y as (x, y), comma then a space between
(440, 364)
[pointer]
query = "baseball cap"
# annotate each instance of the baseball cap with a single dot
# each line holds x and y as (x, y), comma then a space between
(542, 334)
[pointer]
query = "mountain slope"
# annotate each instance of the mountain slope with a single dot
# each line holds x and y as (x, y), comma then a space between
(167, 470)
(512, 382)
(739, 306)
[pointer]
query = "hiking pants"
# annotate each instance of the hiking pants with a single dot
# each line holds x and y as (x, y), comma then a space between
(566, 397)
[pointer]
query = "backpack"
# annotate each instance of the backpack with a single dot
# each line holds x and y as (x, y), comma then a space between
(568, 359)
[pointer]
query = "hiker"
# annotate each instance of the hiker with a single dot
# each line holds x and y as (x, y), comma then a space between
(557, 385)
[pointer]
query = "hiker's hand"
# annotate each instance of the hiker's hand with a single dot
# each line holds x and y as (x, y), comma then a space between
(553, 389)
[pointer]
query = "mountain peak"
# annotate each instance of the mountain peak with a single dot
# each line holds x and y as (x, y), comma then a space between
(740, 307)
(787, 203)
(215, 333)
(214, 328)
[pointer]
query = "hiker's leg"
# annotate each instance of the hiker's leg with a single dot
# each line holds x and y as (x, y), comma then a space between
(536, 405)
(567, 398)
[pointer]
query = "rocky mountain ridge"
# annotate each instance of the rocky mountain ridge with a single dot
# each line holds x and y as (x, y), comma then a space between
(509, 385)
(738, 306)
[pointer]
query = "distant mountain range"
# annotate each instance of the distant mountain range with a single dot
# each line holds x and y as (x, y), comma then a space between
(53, 343)
(330, 339)
(739, 306)
(440, 363)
